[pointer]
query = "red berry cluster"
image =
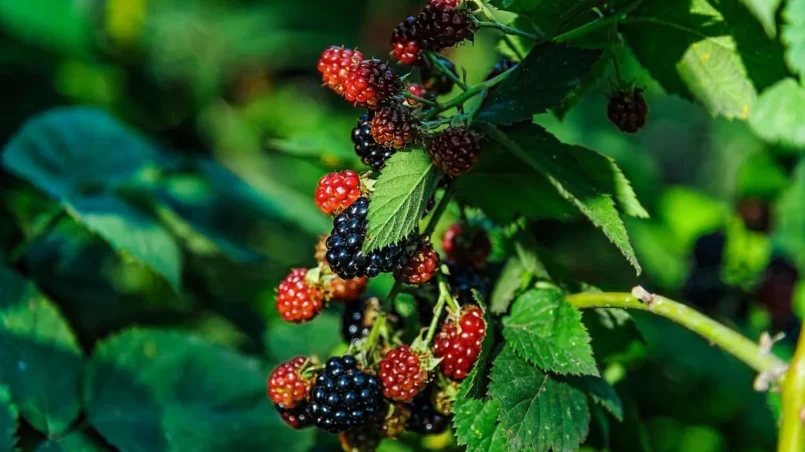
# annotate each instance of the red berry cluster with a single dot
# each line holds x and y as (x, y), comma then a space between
(440, 24)
(459, 342)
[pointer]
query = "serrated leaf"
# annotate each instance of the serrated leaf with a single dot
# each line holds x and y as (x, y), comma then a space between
(73, 442)
(8, 421)
(692, 49)
(541, 81)
(779, 115)
(130, 232)
(615, 336)
(547, 331)
(163, 391)
(563, 165)
(41, 360)
(793, 34)
(508, 284)
(477, 427)
(401, 195)
(600, 392)
(764, 11)
(538, 412)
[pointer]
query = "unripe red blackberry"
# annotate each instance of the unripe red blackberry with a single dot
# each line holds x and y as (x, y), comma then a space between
(337, 191)
(502, 66)
(298, 301)
(334, 64)
(455, 151)
(459, 342)
(421, 266)
(417, 90)
(403, 374)
(394, 126)
(436, 81)
(407, 41)
(467, 245)
(370, 83)
(445, 27)
(346, 290)
(287, 386)
(627, 109)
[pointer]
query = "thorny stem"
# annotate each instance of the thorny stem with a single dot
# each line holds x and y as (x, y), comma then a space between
(730, 341)
(792, 426)
(430, 103)
(434, 59)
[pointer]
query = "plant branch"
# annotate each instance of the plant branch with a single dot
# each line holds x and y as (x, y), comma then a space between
(730, 341)
(506, 29)
(792, 427)
(437, 313)
(430, 103)
(444, 291)
(489, 15)
(437, 214)
(471, 92)
(434, 59)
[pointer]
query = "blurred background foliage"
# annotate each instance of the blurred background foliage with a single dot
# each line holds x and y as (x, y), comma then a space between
(224, 100)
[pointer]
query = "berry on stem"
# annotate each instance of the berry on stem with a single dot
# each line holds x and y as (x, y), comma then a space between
(403, 374)
(297, 300)
(287, 387)
(627, 109)
(421, 266)
(417, 90)
(334, 64)
(344, 397)
(406, 41)
(455, 151)
(394, 126)
(468, 245)
(370, 83)
(459, 342)
(337, 191)
(297, 418)
(370, 153)
(445, 27)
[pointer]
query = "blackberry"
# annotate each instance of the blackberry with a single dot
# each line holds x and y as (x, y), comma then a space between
(394, 126)
(437, 82)
(407, 41)
(370, 153)
(455, 150)
(463, 279)
(627, 110)
(502, 66)
(344, 253)
(445, 27)
(425, 419)
(344, 397)
(298, 417)
(360, 316)
(370, 83)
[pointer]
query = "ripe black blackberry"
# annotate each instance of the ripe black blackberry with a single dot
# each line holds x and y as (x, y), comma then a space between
(443, 28)
(344, 397)
(371, 153)
(627, 109)
(344, 253)
(359, 317)
(502, 66)
(437, 82)
(463, 279)
(298, 417)
(425, 419)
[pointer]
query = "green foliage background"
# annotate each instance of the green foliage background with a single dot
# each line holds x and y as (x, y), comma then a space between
(159, 159)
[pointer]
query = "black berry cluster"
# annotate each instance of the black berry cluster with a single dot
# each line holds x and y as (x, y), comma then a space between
(367, 149)
(344, 397)
(344, 253)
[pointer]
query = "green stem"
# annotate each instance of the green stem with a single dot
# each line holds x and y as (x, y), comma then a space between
(444, 291)
(434, 59)
(437, 214)
(489, 15)
(437, 314)
(471, 92)
(792, 430)
(506, 29)
(430, 103)
(371, 340)
(41, 228)
(596, 24)
(730, 341)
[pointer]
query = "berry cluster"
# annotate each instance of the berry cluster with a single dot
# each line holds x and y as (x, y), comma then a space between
(440, 24)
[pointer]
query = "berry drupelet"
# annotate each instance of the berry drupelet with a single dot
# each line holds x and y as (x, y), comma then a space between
(334, 64)
(298, 301)
(394, 126)
(370, 83)
(370, 153)
(421, 266)
(337, 191)
(344, 253)
(403, 374)
(445, 4)
(455, 151)
(344, 397)
(407, 41)
(627, 109)
(287, 387)
(459, 342)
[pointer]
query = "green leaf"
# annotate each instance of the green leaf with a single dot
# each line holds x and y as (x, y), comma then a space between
(66, 152)
(163, 391)
(73, 442)
(615, 336)
(793, 35)
(477, 427)
(544, 329)
(789, 229)
(130, 232)
(537, 411)
(714, 53)
(600, 392)
(541, 81)
(8, 421)
(66, 27)
(567, 168)
(41, 361)
(401, 195)
(779, 114)
(285, 340)
(508, 284)
(764, 11)
(548, 17)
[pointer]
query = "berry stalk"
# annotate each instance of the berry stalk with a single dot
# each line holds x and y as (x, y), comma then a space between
(489, 15)
(445, 298)
(792, 428)
(430, 103)
(438, 64)
(506, 29)
(725, 338)
(471, 92)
